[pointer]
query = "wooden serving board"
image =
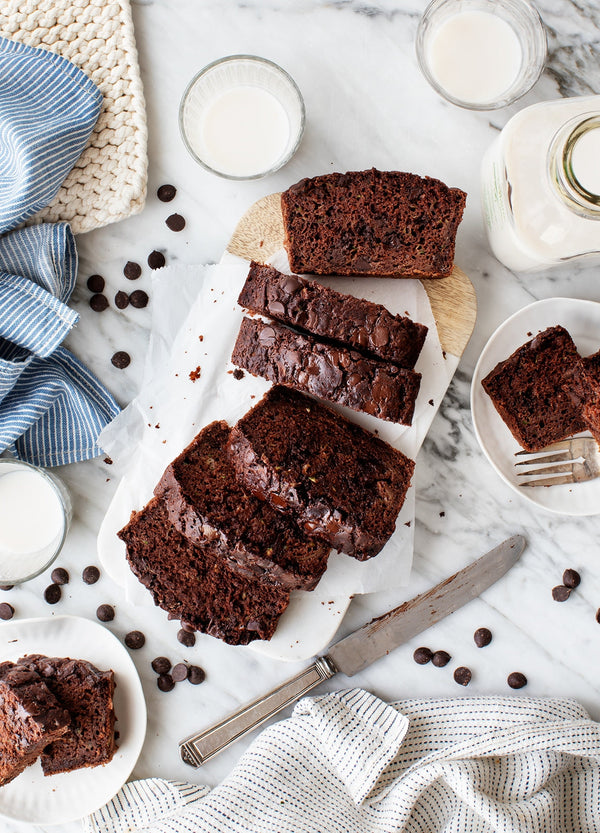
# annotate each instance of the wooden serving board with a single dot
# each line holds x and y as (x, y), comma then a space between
(259, 234)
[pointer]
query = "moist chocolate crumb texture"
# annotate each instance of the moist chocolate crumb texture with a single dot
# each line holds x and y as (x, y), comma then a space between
(336, 374)
(527, 390)
(354, 322)
(583, 386)
(340, 482)
(387, 224)
(209, 507)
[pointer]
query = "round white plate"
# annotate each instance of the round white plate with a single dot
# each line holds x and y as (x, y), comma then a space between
(57, 799)
(582, 320)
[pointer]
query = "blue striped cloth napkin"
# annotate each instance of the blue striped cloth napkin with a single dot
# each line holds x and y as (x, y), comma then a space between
(51, 407)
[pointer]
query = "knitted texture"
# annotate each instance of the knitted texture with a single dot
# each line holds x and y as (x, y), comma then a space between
(108, 181)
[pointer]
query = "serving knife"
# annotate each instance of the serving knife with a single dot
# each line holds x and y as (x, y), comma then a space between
(358, 650)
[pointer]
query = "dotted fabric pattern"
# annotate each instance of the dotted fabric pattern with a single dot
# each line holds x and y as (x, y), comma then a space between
(108, 181)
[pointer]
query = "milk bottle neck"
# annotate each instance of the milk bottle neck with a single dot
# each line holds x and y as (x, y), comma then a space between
(574, 165)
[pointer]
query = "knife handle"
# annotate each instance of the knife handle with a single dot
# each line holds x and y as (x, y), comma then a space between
(198, 748)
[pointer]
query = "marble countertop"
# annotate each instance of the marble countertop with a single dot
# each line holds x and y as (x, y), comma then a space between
(367, 105)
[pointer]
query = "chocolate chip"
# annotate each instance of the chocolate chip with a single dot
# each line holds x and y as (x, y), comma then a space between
(598, 616)
(91, 574)
(156, 260)
(96, 283)
(482, 637)
(6, 586)
(52, 594)
(6, 611)
(99, 303)
(180, 672)
(238, 374)
(175, 222)
(139, 299)
(121, 299)
(132, 270)
(267, 336)
(165, 682)
(187, 626)
(571, 579)
(276, 308)
(196, 675)
(441, 658)
(121, 359)
(106, 613)
(560, 593)
(422, 656)
(59, 575)
(462, 675)
(186, 638)
(516, 680)
(166, 193)
(135, 640)
(380, 336)
(162, 665)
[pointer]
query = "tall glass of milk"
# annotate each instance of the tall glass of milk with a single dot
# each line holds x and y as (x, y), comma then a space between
(481, 54)
(242, 117)
(35, 512)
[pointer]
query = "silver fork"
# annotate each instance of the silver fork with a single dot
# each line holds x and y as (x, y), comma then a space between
(576, 460)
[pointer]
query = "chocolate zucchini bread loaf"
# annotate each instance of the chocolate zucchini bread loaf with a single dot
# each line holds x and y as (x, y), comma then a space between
(208, 506)
(341, 483)
(197, 586)
(381, 223)
(527, 390)
(583, 386)
(337, 374)
(30, 718)
(87, 694)
(363, 325)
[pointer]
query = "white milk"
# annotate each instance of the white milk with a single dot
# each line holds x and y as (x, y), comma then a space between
(242, 132)
(585, 160)
(475, 56)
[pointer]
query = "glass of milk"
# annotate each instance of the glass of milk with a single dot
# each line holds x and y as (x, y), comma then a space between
(481, 54)
(242, 117)
(35, 513)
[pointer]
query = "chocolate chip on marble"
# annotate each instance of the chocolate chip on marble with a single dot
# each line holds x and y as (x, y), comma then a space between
(516, 679)
(165, 682)
(121, 359)
(99, 302)
(121, 299)
(139, 299)
(196, 675)
(105, 613)
(482, 637)
(6, 586)
(238, 374)
(135, 640)
(571, 579)
(598, 616)
(156, 260)
(132, 270)
(560, 593)
(175, 222)
(441, 658)
(422, 656)
(180, 672)
(162, 665)
(52, 594)
(96, 283)
(6, 611)
(186, 638)
(59, 575)
(90, 574)
(462, 675)
(166, 193)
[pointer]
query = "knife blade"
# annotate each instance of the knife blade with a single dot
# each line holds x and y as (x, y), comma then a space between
(358, 650)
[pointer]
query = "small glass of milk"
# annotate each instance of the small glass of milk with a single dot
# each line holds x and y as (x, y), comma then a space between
(481, 54)
(242, 117)
(35, 513)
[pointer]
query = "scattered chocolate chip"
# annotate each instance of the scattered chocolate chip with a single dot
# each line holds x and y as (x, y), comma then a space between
(52, 594)
(132, 270)
(156, 260)
(6, 611)
(6, 586)
(121, 359)
(166, 193)
(59, 575)
(162, 665)
(462, 675)
(165, 682)
(560, 593)
(196, 675)
(135, 640)
(175, 222)
(186, 638)
(482, 637)
(180, 672)
(106, 613)
(91, 574)
(96, 283)
(571, 579)
(121, 299)
(238, 374)
(422, 656)
(99, 303)
(139, 299)
(516, 680)
(598, 616)
(441, 658)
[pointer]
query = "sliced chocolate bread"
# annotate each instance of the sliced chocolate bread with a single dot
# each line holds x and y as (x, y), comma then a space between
(337, 374)
(209, 507)
(381, 223)
(583, 386)
(354, 322)
(340, 482)
(197, 586)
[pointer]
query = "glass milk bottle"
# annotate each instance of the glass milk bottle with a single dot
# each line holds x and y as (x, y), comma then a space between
(541, 185)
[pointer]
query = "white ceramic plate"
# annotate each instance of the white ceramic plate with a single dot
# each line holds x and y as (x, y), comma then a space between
(58, 799)
(582, 320)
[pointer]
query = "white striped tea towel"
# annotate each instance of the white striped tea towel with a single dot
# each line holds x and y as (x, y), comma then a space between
(348, 763)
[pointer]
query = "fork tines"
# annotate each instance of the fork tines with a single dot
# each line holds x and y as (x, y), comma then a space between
(576, 460)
